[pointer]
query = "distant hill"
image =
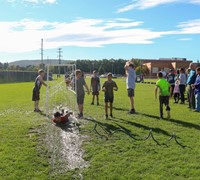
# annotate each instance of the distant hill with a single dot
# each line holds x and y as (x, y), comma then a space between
(24, 63)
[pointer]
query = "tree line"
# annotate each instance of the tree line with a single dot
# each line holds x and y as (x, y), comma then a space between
(115, 66)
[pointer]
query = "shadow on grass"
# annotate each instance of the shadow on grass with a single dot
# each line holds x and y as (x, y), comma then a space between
(120, 109)
(182, 123)
(115, 108)
(111, 129)
(157, 130)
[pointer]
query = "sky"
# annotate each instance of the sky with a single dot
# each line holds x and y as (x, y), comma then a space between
(97, 29)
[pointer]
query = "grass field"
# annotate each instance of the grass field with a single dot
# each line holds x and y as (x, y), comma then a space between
(112, 153)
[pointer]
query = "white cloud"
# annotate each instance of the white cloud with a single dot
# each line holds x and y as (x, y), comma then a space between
(25, 35)
(145, 4)
(185, 39)
(190, 27)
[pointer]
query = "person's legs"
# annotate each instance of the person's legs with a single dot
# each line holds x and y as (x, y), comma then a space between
(93, 97)
(36, 98)
(36, 105)
(80, 107)
(106, 109)
(161, 106)
(97, 99)
(132, 102)
(178, 97)
(192, 99)
(166, 102)
(80, 102)
(131, 97)
(175, 97)
(182, 90)
(172, 90)
(197, 98)
(111, 109)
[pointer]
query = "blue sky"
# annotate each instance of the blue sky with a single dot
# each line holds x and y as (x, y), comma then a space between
(96, 29)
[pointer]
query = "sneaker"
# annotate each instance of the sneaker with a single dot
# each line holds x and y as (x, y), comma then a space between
(111, 115)
(168, 115)
(132, 111)
(80, 116)
(37, 110)
(106, 116)
(97, 103)
(182, 102)
(196, 110)
(92, 103)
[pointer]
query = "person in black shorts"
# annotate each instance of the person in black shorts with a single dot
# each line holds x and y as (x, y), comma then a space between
(108, 88)
(95, 86)
(80, 93)
(39, 81)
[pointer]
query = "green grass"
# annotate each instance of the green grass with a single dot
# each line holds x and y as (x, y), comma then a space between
(19, 154)
(120, 156)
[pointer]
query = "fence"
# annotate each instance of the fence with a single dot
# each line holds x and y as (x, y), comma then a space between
(17, 76)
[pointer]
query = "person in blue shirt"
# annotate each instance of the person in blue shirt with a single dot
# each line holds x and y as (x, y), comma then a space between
(191, 80)
(196, 87)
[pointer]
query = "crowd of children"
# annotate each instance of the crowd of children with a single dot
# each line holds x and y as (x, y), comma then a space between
(170, 85)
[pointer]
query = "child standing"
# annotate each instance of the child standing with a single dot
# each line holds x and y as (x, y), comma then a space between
(108, 88)
(196, 87)
(176, 92)
(80, 93)
(130, 83)
(36, 89)
(164, 95)
(182, 79)
(95, 86)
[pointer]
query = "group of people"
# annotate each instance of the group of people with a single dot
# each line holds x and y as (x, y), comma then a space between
(171, 85)
(175, 85)
(108, 87)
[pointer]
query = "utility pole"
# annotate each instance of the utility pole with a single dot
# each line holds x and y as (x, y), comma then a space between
(42, 53)
(59, 55)
(59, 58)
